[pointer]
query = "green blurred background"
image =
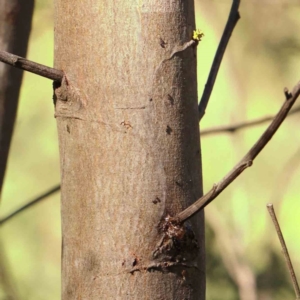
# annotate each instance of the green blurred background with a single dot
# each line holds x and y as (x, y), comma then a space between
(242, 247)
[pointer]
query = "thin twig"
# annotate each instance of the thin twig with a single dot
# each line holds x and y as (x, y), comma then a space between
(28, 65)
(231, 22)
(284, 250)
(235, 127)
(30, 203)
(244, 163)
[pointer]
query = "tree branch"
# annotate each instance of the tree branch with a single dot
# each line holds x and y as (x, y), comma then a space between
(30, 203)
(235, 127)
(245, 162)
(231, 22)
(284, 250)
(30, 66)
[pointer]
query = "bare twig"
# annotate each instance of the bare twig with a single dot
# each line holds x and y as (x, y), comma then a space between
(28, 65)
(284, 249)
(244, 163)
(30, 203)
(235, 127)
(231, 22)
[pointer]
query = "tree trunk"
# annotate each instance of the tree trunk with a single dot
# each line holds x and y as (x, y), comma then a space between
(129, 148)
(15, 26)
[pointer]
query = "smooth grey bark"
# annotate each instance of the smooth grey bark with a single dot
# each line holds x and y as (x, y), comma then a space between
(129, 149)
(15, 26)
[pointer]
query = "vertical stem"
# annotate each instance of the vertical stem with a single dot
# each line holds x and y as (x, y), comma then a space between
(15, 27)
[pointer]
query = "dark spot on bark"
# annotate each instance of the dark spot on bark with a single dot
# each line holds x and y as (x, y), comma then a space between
(68, 129)
(90, 262)
(169, 129)
(123, 263)
(171, 99)
(70, 291)
(179, 184)
(134, 263)
(162, 43)
(156, 200)
(150, 99)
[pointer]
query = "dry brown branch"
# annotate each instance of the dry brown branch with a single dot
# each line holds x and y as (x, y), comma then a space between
(30, 204)
(30, 66)
(284, 250)
(245, 162)
(231, 22)
(235, 127)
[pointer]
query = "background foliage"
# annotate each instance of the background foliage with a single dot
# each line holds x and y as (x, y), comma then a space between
(262, 58)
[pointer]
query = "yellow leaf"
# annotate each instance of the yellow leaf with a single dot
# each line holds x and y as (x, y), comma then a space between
(197, 35)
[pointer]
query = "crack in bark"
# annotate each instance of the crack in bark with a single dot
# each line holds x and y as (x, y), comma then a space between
(163, 267)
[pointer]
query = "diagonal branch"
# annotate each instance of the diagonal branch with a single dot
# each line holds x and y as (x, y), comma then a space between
(246, 160)
(235, 127)
(30, 204)
(231, 22)
(33, 67)
(284, 250)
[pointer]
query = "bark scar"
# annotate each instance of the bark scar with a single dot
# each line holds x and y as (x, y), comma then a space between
(176, 49)
(177, 244)
(68, 100)
(162, 267)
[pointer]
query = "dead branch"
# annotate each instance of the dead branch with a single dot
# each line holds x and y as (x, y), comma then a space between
(30, 66)
(235, 127)
(284, 250)
(231, 22)
(30, 204)
(245, 162)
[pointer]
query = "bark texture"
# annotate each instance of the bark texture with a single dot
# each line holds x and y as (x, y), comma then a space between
(130, 152)
(15, 26)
